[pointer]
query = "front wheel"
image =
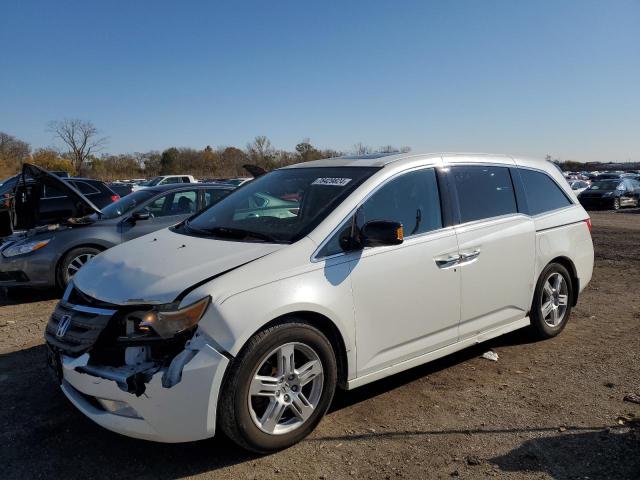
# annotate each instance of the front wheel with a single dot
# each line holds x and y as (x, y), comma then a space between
(278, 388)
(72, 262)
(552, 301)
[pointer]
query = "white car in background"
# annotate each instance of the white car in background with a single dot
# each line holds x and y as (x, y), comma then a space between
(164, 180)
(248, 316)
(578, 186)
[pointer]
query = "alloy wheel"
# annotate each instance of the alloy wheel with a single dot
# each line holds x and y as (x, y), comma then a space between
(555, 299)
(77, 263)
(286, 388)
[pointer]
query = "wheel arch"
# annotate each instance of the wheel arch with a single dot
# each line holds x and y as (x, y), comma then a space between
(567, 263)
(327, 327)
(63, 255)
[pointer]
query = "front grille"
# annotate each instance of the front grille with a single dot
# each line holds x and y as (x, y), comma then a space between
(76, 297)
(85, 327)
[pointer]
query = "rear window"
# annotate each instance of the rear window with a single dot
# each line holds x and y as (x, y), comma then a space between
(543, 194)
(483, 192)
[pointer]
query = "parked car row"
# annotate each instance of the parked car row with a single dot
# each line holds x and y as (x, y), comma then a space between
(611, 193)
(247, 316)
(57, 235)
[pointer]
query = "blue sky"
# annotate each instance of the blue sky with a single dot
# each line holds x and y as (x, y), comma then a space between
(525, 77)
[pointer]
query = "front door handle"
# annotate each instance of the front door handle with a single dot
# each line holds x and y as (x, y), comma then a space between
(448, 261)
(470, 256)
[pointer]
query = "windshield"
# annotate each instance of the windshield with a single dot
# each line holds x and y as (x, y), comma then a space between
(153, 182)
(605, 185)
(282, 206)
(126, 204)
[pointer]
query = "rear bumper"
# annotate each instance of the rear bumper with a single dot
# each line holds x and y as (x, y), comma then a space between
(181, 413)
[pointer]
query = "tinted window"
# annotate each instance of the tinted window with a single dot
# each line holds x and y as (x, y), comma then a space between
(175, 203)
(483, 192)
(411, 199)
(213, 195)
(52, 192)
(543, 194)
(171, 180)
(85, 188)
(186, 180)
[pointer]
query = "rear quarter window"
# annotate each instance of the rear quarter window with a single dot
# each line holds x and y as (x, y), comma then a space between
(542, 192)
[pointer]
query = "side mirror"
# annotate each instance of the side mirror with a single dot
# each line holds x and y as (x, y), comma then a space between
(141, 215)
(379, 233)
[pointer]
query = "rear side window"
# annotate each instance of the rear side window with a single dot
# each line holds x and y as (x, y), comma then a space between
(214, 195)
(85, 188)
(543, 194)
(484, 192)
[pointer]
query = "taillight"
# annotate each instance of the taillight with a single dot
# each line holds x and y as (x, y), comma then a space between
(115, 198)
(588, 222)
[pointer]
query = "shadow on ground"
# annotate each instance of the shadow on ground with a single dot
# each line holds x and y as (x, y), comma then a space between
(610, 453)
(36, 414)
(23, 295)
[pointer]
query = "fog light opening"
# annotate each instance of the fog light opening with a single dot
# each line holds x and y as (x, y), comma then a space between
(117, 407)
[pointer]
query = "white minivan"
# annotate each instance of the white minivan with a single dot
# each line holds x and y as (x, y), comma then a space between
(332, 273)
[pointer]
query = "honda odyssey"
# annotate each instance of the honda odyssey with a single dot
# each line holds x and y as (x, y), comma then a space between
(331, 273)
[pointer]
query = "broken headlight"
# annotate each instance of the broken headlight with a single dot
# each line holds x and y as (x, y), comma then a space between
(168, 323)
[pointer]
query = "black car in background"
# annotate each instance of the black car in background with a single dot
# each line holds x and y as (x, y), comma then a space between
(52, 200)
(611, 193)
(49, 255)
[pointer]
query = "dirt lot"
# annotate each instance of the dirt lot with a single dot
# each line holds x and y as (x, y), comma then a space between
(551, 409)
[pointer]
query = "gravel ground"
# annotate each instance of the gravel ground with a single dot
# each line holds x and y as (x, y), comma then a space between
(552, 409)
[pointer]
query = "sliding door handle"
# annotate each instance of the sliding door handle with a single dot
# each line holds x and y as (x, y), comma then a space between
(447, 262)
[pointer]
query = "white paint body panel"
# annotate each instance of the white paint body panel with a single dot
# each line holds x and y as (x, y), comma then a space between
(392, 306)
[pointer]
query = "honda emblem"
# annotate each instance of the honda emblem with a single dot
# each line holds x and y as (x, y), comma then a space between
(63, 326)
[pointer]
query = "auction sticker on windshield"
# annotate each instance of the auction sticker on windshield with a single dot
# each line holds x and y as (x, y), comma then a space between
(335, 182)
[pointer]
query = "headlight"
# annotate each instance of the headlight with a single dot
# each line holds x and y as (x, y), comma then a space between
(22, 248)
(168, 323)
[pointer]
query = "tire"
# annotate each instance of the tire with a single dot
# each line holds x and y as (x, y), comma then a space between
(551, 306)
(241, 410)
(72, 262)
(616, 204)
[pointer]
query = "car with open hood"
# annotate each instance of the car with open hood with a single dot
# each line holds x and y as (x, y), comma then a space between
(49, 255)
(332, 273)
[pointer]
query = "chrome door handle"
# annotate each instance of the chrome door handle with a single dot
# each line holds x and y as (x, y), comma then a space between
(467, 257)
(448, 261)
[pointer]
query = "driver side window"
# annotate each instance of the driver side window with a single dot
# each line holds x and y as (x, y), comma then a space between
(412, 199)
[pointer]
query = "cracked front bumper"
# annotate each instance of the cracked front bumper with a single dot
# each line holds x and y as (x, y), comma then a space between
(181, 413)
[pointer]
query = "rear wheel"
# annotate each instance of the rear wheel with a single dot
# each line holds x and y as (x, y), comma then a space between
(279, 387)
(73, 261)
(552, 301)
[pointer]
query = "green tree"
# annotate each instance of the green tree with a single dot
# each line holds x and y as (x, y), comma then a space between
(169, 161)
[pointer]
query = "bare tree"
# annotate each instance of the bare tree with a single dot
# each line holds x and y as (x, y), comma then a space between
(361, 149)
(80, 136)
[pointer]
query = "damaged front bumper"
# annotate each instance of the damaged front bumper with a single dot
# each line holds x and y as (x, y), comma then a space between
(178, 403)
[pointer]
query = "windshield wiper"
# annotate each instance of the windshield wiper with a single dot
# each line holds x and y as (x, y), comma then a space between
(235, 233)
(240, 233)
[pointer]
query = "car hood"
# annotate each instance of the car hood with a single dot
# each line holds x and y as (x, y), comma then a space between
(157, 268)
(24, 207)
